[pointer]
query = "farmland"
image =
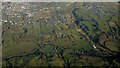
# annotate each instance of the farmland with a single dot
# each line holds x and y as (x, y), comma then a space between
(60, 34)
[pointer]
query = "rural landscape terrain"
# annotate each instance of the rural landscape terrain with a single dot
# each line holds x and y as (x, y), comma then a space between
(60, 34)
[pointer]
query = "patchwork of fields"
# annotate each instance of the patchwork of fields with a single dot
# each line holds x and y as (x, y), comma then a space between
(60, 34)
